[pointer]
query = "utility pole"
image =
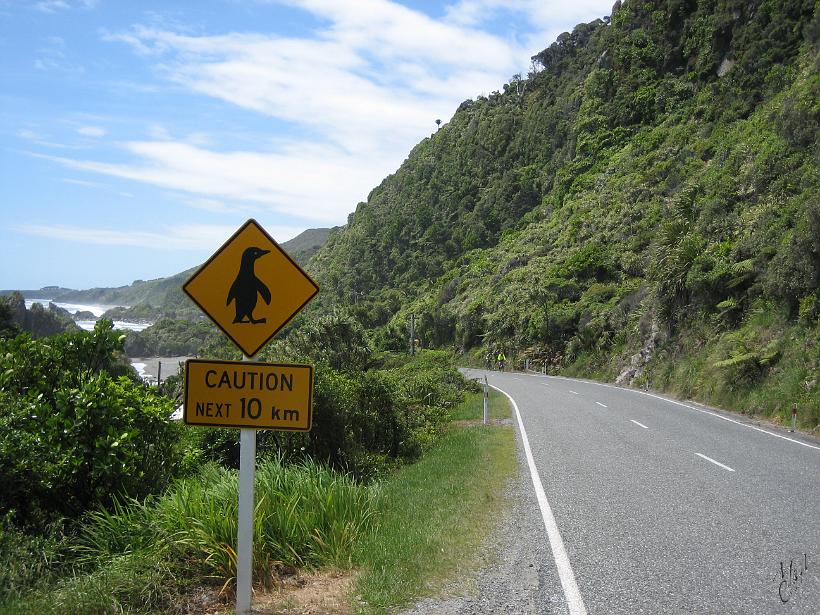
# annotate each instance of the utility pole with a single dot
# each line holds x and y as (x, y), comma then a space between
(412, 334)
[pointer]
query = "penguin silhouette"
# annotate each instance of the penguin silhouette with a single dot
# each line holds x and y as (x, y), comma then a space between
(246, 287)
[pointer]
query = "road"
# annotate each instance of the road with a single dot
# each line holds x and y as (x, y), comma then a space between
(651, 505)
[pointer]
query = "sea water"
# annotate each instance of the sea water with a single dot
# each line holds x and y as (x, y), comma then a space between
(96, 309)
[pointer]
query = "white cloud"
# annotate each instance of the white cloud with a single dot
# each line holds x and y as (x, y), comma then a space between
(548, 18)
(301, 181)
(159, 132)
(29, 135)
(541, 13)
(51, 56)
(185, 237)
(373, 81)
(366, 87)
(91, 131)
(80, 182)
(52, 6)
(40, 139)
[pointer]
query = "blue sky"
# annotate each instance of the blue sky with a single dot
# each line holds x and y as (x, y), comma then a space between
(137, 136)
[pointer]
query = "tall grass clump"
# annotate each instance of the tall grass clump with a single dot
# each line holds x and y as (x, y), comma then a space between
(144, 556)
(306, 516)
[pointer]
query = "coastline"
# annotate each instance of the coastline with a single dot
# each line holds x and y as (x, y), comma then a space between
(149, 367)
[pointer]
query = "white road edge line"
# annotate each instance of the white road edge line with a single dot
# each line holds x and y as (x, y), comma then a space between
(677, 403)
(717, 463)
(573, 392)
(639, 424)
(575, 602)
(600, 404)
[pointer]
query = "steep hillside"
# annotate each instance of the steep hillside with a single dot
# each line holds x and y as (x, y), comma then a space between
(646, 202)
(307, 243)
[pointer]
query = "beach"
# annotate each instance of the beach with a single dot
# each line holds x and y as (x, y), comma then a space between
(149, 367)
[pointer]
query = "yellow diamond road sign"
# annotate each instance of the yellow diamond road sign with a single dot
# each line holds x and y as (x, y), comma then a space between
(250, 288)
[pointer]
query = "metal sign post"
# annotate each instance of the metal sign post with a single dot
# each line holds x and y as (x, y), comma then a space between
(244, 538)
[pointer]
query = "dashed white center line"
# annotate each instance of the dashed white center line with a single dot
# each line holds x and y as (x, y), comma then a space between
(574, 392)
(704, 411)
(717, 463)
(602, 405)
(639, 424)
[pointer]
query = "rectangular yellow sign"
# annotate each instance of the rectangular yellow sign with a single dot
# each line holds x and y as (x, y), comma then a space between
(248, 394)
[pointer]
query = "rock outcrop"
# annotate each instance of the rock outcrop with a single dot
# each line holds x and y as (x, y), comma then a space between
(39, 321)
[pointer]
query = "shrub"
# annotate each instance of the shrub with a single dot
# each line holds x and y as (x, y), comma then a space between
(75, 431)
(98, 439)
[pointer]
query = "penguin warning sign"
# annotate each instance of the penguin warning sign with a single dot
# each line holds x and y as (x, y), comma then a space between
(250, 288)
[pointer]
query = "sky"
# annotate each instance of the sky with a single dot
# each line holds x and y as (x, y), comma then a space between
(137, 136)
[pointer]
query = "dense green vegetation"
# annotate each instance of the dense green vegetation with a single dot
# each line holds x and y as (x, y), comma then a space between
(77, 428)
(106, 503)
(652, 185)
(371, 410)
(171, 338)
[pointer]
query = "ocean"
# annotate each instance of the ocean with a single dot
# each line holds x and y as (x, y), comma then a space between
(96, 309)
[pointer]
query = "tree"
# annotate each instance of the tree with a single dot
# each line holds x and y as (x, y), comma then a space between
(8, 328)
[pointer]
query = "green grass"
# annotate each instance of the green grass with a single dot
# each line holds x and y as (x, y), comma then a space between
(432, 517)
(141, 557)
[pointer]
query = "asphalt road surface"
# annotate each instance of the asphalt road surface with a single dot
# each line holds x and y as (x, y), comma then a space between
(651, 505)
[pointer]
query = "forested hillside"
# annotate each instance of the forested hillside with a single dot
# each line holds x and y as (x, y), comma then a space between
(643, 205)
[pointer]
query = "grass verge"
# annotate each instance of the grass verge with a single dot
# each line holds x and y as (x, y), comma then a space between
(432, 517)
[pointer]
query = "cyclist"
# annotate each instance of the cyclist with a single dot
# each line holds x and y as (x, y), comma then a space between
(502, 359)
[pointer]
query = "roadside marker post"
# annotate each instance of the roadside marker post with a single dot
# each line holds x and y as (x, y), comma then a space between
(250, 288)
(794, 418)
(486, 401)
